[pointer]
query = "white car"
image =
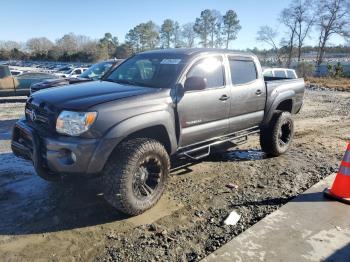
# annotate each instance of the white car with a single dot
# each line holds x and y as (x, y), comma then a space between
(284, 73)
(72, 73)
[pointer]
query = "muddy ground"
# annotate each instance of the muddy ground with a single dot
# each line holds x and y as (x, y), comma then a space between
(70, 221)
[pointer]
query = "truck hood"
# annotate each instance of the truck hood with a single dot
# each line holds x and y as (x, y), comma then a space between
(85, 95)
(58, 82)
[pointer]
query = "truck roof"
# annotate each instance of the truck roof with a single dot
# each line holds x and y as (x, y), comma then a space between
(196, 51)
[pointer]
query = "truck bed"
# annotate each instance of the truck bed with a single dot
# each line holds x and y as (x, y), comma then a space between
(276, 85)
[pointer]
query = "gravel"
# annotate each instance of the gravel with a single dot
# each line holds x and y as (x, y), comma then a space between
(41, 220)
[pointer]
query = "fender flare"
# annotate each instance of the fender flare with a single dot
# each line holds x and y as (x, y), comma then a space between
(280, 97)
(136, 123)
(123, 129)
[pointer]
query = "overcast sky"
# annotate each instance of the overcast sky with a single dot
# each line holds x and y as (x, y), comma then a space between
(23, 19)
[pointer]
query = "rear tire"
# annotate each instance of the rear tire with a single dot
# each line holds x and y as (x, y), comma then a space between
(276, 139)
(135, 175)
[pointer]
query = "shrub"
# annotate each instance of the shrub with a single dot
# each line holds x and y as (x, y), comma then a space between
(305, 69)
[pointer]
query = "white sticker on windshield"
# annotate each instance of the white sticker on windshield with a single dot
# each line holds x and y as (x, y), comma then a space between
(170, 61)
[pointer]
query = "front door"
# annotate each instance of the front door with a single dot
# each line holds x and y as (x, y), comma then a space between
(203, 113)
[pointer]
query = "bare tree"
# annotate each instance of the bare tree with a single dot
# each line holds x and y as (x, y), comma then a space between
(333, 18)
(288, 18)
(188, 34)
(68, 44)
(39, 46)
(298, 19)
(305, 18)
(9, 45)
(177, 35)
(268, 35)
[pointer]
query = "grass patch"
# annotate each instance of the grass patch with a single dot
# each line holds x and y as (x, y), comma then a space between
(342, 83)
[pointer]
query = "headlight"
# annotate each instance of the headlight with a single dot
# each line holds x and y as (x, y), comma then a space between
(74, 123)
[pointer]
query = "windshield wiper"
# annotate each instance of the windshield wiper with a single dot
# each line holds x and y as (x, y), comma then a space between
(128, 82)
(123, 81)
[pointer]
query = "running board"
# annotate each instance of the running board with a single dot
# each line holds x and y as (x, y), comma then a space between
(198, 151)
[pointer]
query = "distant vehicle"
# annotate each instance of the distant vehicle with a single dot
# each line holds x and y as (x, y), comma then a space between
(95, 72)
(16, 72)
(63, 68)
(19, 85)
(8, 83)
(72, 73)
(283, 73)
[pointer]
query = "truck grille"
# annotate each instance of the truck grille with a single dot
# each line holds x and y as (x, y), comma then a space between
(38, 116)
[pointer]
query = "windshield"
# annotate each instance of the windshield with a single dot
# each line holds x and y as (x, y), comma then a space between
(65, 68)
(69, 71)
(97, 71)
(150, 70)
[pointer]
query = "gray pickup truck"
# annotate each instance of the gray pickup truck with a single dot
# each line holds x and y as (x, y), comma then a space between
(181, 102)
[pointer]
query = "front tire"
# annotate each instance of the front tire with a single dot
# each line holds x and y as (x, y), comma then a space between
(276, 139)
(135, 175)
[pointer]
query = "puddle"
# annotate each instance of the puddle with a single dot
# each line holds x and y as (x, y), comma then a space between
(243, 155)
(30, 204)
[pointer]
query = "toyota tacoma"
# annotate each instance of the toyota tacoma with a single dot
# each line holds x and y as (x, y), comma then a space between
(156, 104)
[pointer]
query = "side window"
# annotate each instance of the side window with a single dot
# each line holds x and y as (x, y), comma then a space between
(211, 69)
(280, 73)
(268, 73)
(290, 74)
(242, 71)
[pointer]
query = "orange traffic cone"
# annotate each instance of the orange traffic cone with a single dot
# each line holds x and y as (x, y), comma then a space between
(341, 185)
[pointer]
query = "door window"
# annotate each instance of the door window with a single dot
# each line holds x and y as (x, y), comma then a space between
(290, 74)
(242, 71)
(268, 73)
(280, 73)
(211, 69)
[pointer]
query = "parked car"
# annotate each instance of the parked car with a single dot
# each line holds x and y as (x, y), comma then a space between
(19, 85)
(26, 80)
(283, 73)
(95, 72)
(71, 73)
(8, 83)
(180, 102)
(15, 72)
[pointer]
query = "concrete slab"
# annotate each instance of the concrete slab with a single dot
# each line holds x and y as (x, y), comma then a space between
(309, 228)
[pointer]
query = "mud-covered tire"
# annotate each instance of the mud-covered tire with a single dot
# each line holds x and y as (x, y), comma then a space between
(276, 138)
(130, 173)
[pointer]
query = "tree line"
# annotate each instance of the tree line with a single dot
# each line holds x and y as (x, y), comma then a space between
(321, 18)
(210, 29)
(324, 18)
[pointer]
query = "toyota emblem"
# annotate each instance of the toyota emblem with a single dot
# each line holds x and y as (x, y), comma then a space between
(32, 115)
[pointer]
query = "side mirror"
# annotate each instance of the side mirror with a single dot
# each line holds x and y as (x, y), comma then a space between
(195, 83)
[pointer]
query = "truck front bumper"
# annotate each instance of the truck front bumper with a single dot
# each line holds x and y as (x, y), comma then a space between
(53, 156)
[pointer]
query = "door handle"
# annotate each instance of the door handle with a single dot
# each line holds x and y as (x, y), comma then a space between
(224, 98)
(258, 92)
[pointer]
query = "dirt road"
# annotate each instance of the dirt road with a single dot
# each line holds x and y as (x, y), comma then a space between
(71, 221)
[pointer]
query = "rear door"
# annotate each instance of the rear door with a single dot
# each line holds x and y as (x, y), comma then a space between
(203, 114)
(248, 93)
